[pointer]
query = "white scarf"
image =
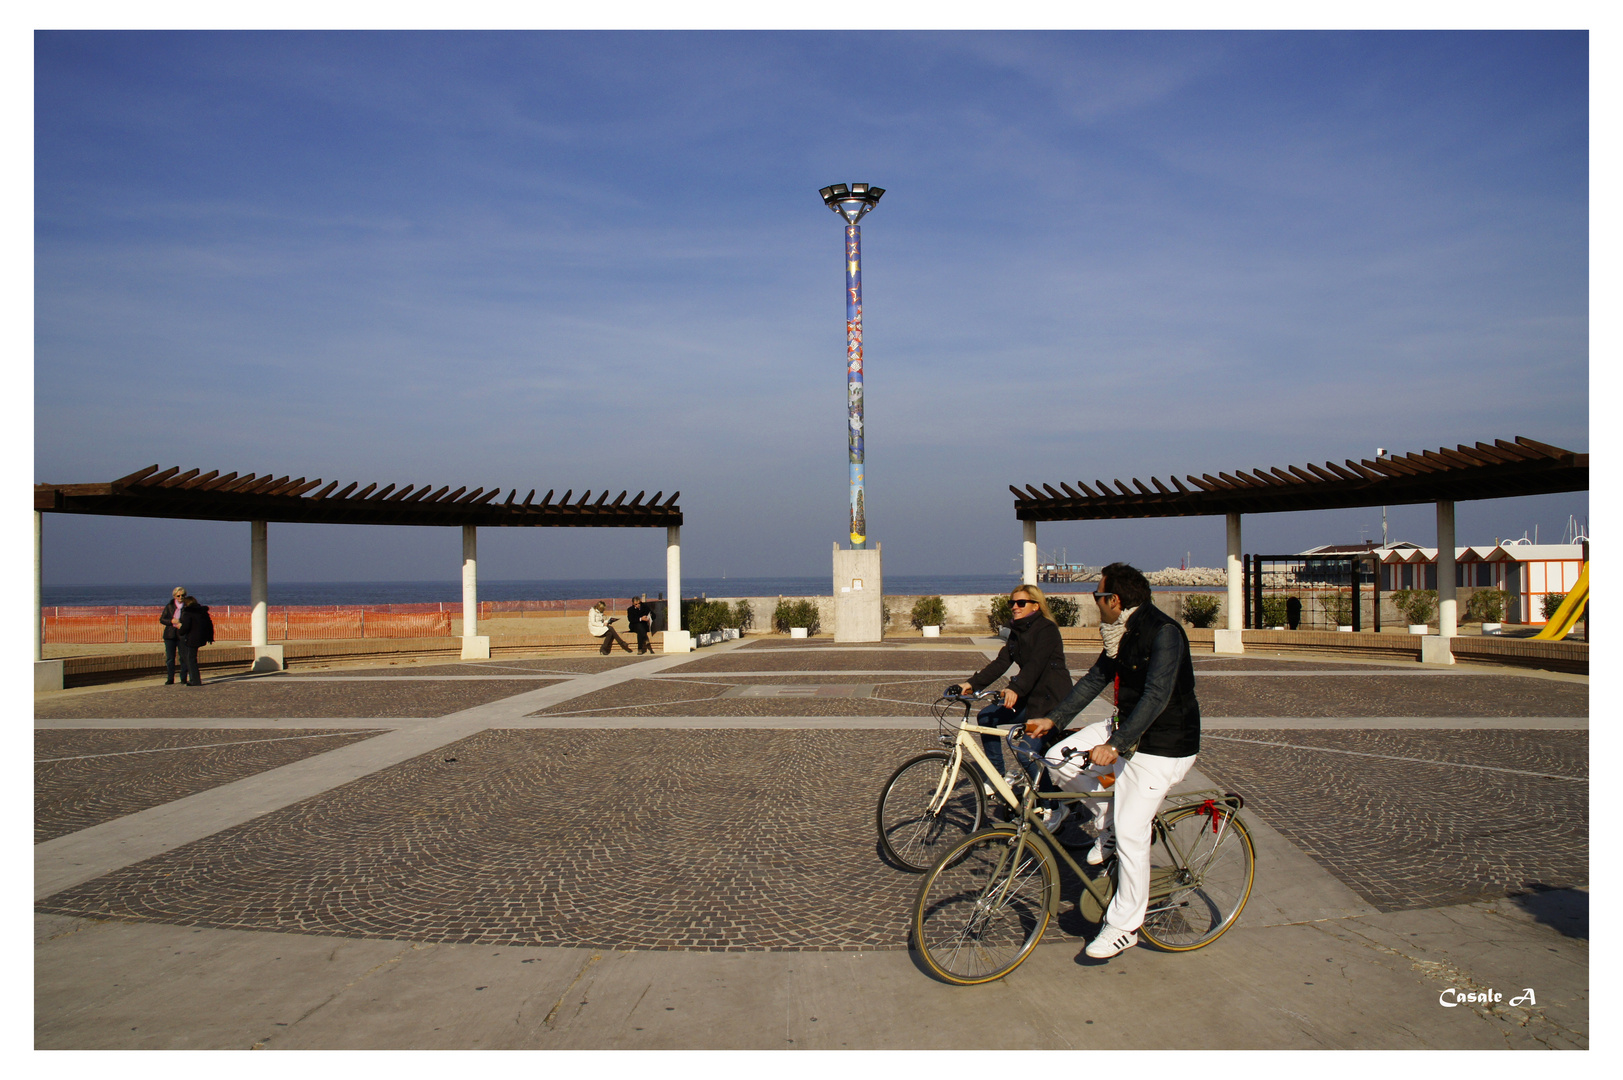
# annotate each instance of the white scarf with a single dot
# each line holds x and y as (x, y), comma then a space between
(1112, 632)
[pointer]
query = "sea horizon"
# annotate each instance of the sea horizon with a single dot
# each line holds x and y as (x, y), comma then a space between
(311, 593)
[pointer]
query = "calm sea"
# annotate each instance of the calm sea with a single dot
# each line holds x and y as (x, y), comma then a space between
(418, 592)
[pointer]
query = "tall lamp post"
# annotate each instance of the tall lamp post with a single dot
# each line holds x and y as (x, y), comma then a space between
(851, 201)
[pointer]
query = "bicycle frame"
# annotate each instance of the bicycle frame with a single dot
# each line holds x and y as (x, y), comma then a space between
(1099, 884)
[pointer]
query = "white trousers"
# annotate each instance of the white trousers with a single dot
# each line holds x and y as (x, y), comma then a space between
(1076, 774)
(1142, 786)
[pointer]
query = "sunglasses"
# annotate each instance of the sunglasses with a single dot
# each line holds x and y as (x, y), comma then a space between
(1022, 603)
(1101, 597)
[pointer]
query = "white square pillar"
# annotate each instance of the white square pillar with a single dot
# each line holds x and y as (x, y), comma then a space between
(676, 639)
(267, 657)
(1028, 553)
(1447, 601)
(39, 605)
(474, 647)
(1229, 640)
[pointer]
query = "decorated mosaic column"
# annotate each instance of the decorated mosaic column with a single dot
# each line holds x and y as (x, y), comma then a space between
(851, 201)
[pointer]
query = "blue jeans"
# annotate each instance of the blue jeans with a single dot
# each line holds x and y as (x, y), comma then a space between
(1001, 716)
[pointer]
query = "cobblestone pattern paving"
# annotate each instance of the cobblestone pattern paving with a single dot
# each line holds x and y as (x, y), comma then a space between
(1406, 835)
(638, 692)
(1452, 695)
(707, 840)
(830, 643)
(281, 697)
(946, 660)
(73, 795)
(565, 665)
(1224, 663)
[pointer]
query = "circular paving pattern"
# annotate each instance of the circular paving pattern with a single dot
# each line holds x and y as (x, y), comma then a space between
(98, 775)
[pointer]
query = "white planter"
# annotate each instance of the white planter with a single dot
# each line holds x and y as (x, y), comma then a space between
(797, 631)
(932, 631)
(1491, 627)
(1345, 629)
(1417, 628)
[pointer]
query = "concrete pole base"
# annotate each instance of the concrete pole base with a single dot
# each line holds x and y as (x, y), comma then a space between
(677, 641)
(476, 648)
(1434, 650)
(269, 658)
(48, 675)
(1227, 642)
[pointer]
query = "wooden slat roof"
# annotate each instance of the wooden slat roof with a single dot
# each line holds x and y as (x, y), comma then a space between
(196, 495)
(1484, 471)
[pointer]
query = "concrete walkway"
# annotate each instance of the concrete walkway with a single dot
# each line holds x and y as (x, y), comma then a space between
(1311, 965)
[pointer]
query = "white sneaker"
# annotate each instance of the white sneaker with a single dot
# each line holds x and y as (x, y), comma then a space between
(1103, 850)
(1110, 942)
(1055, 816)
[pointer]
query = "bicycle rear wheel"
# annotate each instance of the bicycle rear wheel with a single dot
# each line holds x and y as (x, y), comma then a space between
(910, 833)
(981, 910)
(1194, 900)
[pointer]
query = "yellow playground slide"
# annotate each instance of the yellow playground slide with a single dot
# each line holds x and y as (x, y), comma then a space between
(1571, 610)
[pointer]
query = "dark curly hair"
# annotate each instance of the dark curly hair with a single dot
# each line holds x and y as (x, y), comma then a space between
(1127, 583)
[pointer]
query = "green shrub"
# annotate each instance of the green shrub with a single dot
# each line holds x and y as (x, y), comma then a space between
(743, 616)
(929, 611)
(1418, 606)
(1001, 613)
(1200, 609)
(790, 613)
(1064, 609)
(1273, 611)
(703, 616)
(1487, 605)
(1337, 609)
(1552, 601)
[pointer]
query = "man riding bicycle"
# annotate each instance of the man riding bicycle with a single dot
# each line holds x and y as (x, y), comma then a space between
(1157, 736)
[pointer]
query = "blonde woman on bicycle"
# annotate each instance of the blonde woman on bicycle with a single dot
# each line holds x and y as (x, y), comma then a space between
(1034, 644)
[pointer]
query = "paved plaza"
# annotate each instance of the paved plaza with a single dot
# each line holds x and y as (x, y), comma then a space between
(679, 851)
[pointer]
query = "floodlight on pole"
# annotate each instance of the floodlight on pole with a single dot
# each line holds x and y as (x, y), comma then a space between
(851, 202)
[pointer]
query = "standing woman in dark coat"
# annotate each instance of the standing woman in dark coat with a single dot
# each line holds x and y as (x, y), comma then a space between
(196, 630)
(1043, 682)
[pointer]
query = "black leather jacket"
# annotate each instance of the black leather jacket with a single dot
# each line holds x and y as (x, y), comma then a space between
(1034, 643)
(1157, 706)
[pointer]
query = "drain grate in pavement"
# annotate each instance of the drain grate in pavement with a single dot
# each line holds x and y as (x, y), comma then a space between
(843, 690)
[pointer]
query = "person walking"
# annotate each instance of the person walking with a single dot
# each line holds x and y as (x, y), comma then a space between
(640, 618)
(170, 618)
(1158, 735)
(601, 627)
(196, 630)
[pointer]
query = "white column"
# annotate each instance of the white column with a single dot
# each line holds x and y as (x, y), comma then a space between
(259, 584)
(1229, 640)
(47, 673)
(676, 639)
(267, 657)
(1028, 553)
(474, 647)
(1447, 604)
(470, 580)
(39, 606)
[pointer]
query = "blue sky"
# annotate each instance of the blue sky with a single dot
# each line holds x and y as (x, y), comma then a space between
(588, 260)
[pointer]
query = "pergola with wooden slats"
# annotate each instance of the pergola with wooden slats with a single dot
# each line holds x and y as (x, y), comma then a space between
(260, 499)
(211, 496)
(1484, 471)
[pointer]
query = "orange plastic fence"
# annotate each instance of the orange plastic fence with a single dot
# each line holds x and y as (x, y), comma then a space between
(281, 625)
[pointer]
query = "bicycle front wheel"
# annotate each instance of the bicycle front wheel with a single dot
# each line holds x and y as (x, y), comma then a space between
(1200, 877)
(984, 906)
(911, 833)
